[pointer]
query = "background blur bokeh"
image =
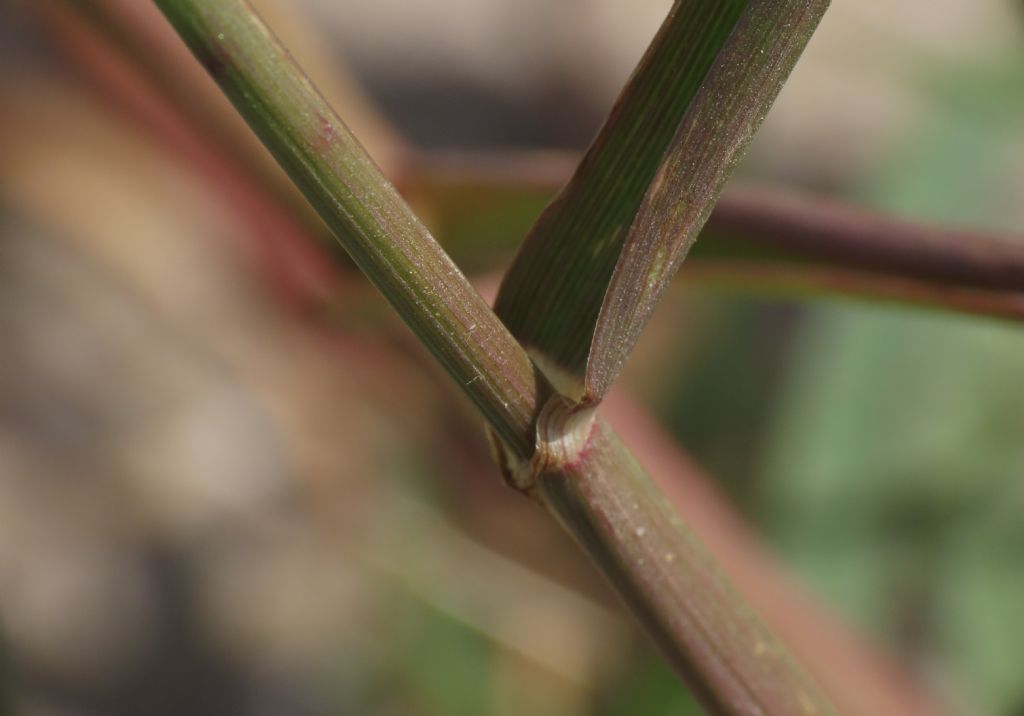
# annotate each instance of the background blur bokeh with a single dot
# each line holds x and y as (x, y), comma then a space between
(213, 502)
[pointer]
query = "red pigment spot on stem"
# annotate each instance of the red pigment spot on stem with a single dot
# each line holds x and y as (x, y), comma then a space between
(216, 61)
(584, 451)
(325, 136)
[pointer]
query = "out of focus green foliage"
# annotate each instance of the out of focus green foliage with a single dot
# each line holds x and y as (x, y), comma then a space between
(883, 448)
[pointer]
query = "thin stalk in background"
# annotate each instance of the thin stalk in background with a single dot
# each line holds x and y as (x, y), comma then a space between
(707, 631)
(759, 239)
(798, 227)
(93, 36)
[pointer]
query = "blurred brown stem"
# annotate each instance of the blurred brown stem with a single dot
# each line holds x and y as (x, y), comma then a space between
(787, 241)
(283, 240)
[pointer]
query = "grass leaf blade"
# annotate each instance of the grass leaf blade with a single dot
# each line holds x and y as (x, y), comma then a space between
(597, 259)
(723, 118)
(551, 296)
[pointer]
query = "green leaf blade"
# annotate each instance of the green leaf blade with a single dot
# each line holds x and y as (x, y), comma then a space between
(549, 308)
(597, 260)
(741, 87)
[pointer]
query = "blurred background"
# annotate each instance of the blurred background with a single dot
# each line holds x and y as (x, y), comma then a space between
(230, 482)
